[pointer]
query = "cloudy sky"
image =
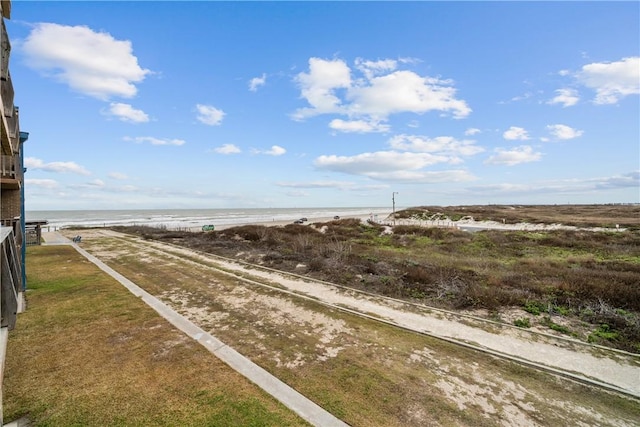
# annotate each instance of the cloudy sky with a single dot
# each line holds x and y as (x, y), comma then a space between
(327, 104)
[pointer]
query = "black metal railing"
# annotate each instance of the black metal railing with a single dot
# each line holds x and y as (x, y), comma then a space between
(11, 278)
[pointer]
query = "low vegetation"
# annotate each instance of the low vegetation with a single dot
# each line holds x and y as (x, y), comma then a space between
(89, 353)
(365, 372)
(626, 216)
(579, 277)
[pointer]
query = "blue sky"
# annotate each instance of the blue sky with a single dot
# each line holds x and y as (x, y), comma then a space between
(312, 104)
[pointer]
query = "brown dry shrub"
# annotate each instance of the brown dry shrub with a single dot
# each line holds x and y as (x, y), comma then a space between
(252, 233)
(299, 229)
(316, 264)
(435, 233)
(619, 289)
(343, 229)
(485, 296)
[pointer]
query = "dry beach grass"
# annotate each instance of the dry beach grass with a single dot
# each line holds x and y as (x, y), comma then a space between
(579, 282)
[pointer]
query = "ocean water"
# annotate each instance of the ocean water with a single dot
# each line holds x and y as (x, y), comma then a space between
(191, 218)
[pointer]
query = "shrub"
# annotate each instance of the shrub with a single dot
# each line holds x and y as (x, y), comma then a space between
(316, 264)
(604, 332)
(522, 323)
(554, 326)
(252, 233)
(534, 307)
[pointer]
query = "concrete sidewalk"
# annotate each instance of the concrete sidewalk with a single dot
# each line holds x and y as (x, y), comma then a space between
(22, 422)
(285, 394)
(54, 238)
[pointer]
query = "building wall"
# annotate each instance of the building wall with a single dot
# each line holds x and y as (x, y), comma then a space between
(11, 180)
(11, 173)
(11, 205)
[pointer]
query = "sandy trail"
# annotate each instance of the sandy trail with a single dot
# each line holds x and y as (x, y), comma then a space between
(610, 367)
(618, 369)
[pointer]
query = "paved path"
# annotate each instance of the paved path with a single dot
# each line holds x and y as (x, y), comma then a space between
(54, 238)
(289, 397)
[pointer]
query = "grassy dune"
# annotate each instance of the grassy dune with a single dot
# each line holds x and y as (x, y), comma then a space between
(574, 282)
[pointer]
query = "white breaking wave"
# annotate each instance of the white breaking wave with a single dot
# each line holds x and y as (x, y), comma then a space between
(190, 218)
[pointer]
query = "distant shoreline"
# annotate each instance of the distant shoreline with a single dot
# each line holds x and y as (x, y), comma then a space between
(192, 219)
(274, 223)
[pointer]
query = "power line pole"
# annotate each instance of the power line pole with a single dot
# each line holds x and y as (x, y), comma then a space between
(393, 200)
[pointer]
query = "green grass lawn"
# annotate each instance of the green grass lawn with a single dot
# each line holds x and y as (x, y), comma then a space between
(89, 353)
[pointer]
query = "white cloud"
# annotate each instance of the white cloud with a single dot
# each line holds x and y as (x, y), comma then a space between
(564, 132)
(407, 160)
(209, 115)
(256, 82)
(504, 189)
(89, 62)
(393, 166)
(472, 131)
(338, 185)
(127, 113)
(589, 185)
(514, 156)
(58, 167)
(440, 144)
(127, 188)
(298, 193)
(96, 183)
(358, 126)
(522, 97)
(154, 141)
(275, 151)
(405, 91)
(515, 133)
(631, 179)
(117, 175)
(372, 68)
(44, 183)
(382, 90)
(318, 86)
(612, 81)
(566, 97)
(376, 162)
(317, 184)
(424, 177)
(227, 149)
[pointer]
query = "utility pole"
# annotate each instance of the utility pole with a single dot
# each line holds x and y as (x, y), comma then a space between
(393, 200)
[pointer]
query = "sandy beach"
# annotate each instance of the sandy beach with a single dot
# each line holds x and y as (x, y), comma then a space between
(465, 224)
(309, 221)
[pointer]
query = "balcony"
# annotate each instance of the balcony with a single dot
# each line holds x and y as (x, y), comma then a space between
(5, 51)
(10, 122)
(7, 93)
(6, 8)
(11, 174)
